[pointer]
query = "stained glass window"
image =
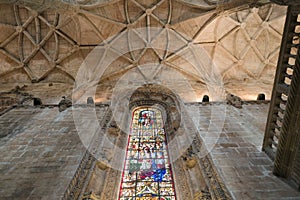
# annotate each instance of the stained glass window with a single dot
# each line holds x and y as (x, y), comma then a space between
(147, 173)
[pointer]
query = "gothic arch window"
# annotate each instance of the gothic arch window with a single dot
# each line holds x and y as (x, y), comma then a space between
(147, 172)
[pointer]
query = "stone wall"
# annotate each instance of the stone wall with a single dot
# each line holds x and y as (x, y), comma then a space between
(42, 151)
(237, 155)
(39, 154)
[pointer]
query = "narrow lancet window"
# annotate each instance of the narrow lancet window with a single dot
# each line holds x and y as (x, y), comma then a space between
(147, 173)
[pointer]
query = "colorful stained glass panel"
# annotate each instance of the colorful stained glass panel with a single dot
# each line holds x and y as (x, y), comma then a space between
(147, 173)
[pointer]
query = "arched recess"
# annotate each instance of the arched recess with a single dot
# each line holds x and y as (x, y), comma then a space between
(194, 177)
(161, 97)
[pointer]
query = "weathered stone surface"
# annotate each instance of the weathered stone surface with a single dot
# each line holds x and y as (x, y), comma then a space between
(237, 154)
(39, 154)
(191, 162)
(42, 151)
(45, 44)
(234, 100)
(64, 104)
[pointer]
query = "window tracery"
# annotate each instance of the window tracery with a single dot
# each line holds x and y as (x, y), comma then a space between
(147, 172)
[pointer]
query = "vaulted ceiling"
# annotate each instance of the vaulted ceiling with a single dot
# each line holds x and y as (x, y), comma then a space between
(157, 41)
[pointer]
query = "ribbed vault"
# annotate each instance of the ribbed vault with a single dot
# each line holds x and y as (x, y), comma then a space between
(48, 46)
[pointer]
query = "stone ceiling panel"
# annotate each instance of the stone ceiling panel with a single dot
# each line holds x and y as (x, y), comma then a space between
(58, 75)
(72, 63)
(160, 12)
(182, 12)
(110, 12)
(17, 76)
(134, 11)
(38, 66)
(187, 63)
(149, 57)
(6, 32)
(69, 27)
(243, 44)
(7, 64)
(191, 27)
(116, 66)
(104, 29)
(11, 48)
(89, 34)
(244, 40)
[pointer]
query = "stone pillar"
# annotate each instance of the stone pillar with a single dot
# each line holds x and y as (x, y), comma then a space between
(281, 85)
(288, 146)
(284, 116)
